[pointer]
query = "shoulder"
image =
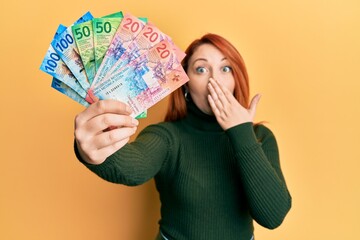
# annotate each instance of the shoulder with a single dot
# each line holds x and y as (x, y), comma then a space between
(262, 130)
(263, 133)
(162, 127)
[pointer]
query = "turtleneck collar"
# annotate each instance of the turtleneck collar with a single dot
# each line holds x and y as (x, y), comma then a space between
(200, 120)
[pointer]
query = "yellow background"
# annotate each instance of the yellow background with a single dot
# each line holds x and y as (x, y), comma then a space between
(302, 56)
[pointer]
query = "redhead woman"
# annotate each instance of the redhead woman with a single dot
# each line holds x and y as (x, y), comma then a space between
(215, 170)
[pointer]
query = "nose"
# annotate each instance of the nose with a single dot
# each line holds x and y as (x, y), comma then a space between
(215, 74)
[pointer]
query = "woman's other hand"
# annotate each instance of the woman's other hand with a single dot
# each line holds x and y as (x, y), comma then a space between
(227, 110)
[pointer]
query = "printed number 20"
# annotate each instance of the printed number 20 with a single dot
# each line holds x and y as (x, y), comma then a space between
(164, 53)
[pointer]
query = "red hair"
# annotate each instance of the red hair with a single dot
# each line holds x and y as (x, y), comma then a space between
(177, 104)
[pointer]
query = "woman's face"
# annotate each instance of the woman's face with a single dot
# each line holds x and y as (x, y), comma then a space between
(207, 62)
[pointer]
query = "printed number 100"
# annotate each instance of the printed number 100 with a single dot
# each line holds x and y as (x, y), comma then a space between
(51, 63)
(64, 42)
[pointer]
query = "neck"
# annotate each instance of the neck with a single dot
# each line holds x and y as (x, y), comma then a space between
(200, 120)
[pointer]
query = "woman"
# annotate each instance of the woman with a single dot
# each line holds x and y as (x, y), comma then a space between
(215, 170)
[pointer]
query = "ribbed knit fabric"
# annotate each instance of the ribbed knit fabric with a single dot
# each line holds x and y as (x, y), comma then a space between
(212, 183)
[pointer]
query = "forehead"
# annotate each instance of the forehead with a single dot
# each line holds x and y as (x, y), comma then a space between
(207, 52)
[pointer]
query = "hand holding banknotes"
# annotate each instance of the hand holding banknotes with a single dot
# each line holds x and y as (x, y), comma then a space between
(102, 129)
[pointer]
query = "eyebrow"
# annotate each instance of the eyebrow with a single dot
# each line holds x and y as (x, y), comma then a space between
(204, 59)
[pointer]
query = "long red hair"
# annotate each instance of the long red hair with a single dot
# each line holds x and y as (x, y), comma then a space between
(177, 104)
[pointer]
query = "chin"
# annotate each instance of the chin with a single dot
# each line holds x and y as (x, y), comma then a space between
(207, 110)
(204, 106)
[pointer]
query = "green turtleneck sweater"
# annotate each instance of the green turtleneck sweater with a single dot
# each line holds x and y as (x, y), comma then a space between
(212, 183)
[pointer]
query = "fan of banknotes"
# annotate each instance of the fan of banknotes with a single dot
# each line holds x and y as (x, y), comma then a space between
(118, 56)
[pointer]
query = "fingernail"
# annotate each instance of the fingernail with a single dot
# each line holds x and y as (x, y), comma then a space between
(135, 121)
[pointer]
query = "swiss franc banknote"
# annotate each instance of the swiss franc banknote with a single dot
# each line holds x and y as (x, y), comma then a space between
(83, 36)
(104, 29)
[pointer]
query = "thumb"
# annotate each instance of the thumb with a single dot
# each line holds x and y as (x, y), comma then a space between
(254, 102)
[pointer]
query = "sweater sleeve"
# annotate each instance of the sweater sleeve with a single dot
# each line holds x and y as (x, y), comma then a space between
(259, 167)
(136, 162)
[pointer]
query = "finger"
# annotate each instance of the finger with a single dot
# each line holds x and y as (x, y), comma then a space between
(254, 102)
(227, 94)
(109, 138)
(99, 156)
(213, 105)
(100, 107)
(214, 96)
(219, 91)
(104, 121)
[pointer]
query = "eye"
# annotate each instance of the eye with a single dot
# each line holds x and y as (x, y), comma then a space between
(227, 69)
(201, 70)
